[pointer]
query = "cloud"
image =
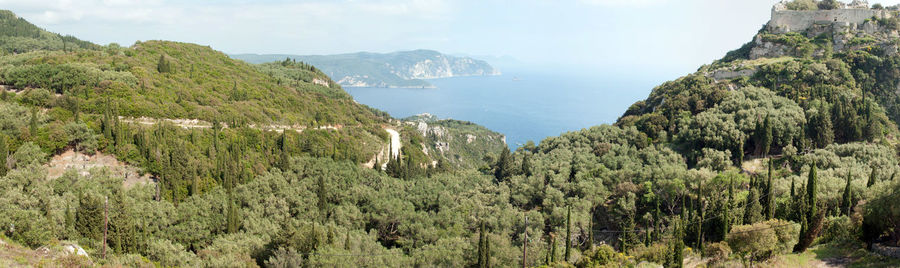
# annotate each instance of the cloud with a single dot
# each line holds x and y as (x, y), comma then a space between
(624, 3)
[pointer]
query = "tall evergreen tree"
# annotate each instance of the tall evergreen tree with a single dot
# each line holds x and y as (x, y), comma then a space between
(502, 169)
(568, 232)
(322, 196)
(872, 178)
(526, 164)
(284, 161)
(4, 154)
(811, 193)
(700, 216)
(845, 199)
(753, 210)
(33, 122)
(553, 250)
(482, 247)
(770, 195)
(766, 139)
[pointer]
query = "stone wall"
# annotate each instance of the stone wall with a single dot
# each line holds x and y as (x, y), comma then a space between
(893, 252)
(784, 21)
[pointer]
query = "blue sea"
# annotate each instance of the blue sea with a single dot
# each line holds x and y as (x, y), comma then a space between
(522, 104)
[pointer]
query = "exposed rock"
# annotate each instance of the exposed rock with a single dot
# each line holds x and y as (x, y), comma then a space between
(893, 252)
(75, 249)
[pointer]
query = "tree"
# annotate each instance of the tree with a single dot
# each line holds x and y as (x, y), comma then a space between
(752, 240)
(4, 154)
(483, 247)
(753, 210)
(568, 232)
(765, 136)
(284, 163)
(502, 169)
(770, 195)
(33, 122)
(163, 66)
(829, 4)
(700, 213)
(233, 217)
(625, 209)
(811, 192)
(845, 199)
(526, 165)
(872, 179)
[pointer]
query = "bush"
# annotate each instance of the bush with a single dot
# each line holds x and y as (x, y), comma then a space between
(756, 241)
(655, 253)
(802, 5)
(717, 252)
(839, 230)
(601, 256)
(168, 254)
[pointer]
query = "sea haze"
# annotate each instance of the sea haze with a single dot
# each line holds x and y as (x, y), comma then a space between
(522, 104)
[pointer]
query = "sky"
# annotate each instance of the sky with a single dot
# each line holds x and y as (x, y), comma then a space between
(619, 37)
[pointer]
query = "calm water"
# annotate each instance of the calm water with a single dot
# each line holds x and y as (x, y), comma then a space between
(523, 105)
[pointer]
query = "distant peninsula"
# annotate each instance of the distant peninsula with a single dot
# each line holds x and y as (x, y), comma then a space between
(402, 69)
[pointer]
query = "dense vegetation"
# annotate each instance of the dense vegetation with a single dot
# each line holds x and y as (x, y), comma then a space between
(802, 153)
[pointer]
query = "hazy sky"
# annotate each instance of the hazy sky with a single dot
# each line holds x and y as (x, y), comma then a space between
(619, 36)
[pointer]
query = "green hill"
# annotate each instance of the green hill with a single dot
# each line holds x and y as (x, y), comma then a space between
(20, 36)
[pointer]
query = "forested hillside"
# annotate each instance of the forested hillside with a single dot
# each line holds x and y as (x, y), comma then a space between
(785, 156)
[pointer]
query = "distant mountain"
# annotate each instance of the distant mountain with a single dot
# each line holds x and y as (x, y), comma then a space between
(397, 69)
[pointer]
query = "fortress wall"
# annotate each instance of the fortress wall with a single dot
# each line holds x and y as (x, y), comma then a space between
(796, 21)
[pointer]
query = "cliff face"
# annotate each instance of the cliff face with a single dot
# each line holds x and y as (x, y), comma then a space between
(812, 34)
(458, 143)
(398, 69)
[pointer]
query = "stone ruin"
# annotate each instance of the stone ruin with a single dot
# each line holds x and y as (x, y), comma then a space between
(847, 15)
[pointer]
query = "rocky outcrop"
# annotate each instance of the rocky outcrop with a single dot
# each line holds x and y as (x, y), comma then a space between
(887, 251)
(784, 20)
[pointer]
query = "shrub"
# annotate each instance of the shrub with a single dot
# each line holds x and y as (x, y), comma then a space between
(601, 256)
(655, 253)
(802, 5)
(717, 252)
(756, 241)
(839, 230)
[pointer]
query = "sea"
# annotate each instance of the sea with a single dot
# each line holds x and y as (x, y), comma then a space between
(525, 104)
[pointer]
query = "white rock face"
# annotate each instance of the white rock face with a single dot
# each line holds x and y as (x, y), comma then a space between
(75, 249)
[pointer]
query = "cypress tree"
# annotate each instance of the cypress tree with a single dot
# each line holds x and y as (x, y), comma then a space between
(657, 220)
(321, 193)
(482, 247)
(4, 154)
(753, 210)
(845, 200)
(766, 136)
(811, 193)
(770, 195)
(502, 169)
(233, 217)
(700, 213)
(33, 123)
(590, 243)
(726, 212)
(568, 232)
(552, 248)
(284, 154)
(347, 241)
(871, 179)
(526, 165)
